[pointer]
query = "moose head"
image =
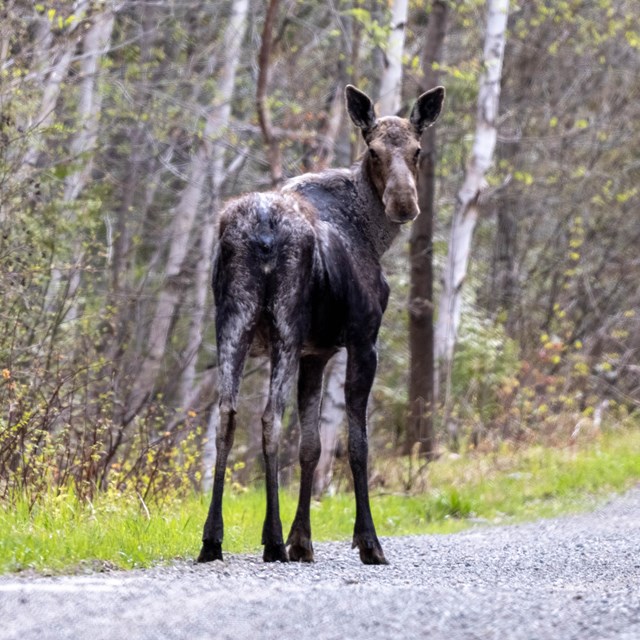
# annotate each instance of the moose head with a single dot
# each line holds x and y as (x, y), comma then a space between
(393, 148)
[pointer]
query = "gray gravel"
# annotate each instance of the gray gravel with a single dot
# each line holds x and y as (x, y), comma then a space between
(574, 577)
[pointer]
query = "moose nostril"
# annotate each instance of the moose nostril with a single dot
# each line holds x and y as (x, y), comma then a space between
(408, 216)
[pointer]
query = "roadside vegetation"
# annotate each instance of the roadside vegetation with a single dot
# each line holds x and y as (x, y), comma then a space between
(125, 126)
(63, 532)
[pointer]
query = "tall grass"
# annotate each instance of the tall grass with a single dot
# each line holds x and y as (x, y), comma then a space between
(64, 533)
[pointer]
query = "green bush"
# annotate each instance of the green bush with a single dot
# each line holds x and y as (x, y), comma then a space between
(485, 359)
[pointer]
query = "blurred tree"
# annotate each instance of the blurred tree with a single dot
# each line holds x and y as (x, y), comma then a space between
(391, 77)
(420, 428)
(124, 126)
(555, 263)
(333, 406)
(466, 210)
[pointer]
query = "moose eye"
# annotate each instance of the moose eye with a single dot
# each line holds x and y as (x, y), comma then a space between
(416, 155)
(373, 155)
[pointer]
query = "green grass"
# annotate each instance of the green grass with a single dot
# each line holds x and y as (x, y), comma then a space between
(63, 534)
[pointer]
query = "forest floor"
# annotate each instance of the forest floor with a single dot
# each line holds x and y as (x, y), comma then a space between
(571, 577)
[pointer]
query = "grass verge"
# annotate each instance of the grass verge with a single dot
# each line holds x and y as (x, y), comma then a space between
(64, 534)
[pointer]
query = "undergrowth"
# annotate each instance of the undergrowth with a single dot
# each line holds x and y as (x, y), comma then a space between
(63, 532)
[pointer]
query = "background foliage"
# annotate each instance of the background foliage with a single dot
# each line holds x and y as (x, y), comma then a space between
(107, 114)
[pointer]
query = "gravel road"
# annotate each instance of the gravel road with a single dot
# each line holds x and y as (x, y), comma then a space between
(573, 577)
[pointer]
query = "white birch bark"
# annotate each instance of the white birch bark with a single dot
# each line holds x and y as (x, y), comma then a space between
(391, 81)
(184, 216)
(95, 45)
(209, 451)
(466, 210)
(52, 86)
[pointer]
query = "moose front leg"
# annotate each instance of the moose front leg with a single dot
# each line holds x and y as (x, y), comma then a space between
(361, 368)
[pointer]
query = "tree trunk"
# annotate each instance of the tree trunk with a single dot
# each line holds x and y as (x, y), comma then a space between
(274, 152)
(183, 222)
(333, 408)
(53, 84)
(95, 44)
(504, 277)
(356, 47)
(391, 81)
(232, 43)
(332, 411)
(421, 374)
(233, 39)
(466, 209)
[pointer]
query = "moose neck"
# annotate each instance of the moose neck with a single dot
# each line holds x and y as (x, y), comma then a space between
(378, 229)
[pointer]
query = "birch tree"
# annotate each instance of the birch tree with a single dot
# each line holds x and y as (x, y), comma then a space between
(466, 209)
(95, 45)
(233, 38)
(232, 41)
(184, 217)
(391, 81)
(331, 417)
(54, 61)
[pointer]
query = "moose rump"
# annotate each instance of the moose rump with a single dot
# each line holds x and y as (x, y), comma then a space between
(265, 262)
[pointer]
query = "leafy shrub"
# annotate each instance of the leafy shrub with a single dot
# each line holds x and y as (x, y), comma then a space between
(485, 359)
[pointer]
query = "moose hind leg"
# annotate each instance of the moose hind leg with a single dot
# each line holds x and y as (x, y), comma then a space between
(234, 340)
(361, 367)
(309, 403)
(214, 527)
(284, 360)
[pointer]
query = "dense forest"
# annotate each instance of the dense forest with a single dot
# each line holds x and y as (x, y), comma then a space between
(126, 124)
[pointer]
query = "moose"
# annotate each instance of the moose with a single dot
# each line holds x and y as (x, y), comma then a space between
(296, 277)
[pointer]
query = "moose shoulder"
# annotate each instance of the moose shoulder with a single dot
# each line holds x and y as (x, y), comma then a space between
(297, 276)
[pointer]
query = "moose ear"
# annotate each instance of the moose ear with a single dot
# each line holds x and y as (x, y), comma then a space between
(360, 108)
(427, 109)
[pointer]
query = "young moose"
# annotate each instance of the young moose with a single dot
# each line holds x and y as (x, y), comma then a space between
(297, 276)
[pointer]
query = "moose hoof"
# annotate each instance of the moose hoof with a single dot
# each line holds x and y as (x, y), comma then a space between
(300, 549)
(210, 551)
(370, 551)
(372, 556)
(299, 546)
(275, 553)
